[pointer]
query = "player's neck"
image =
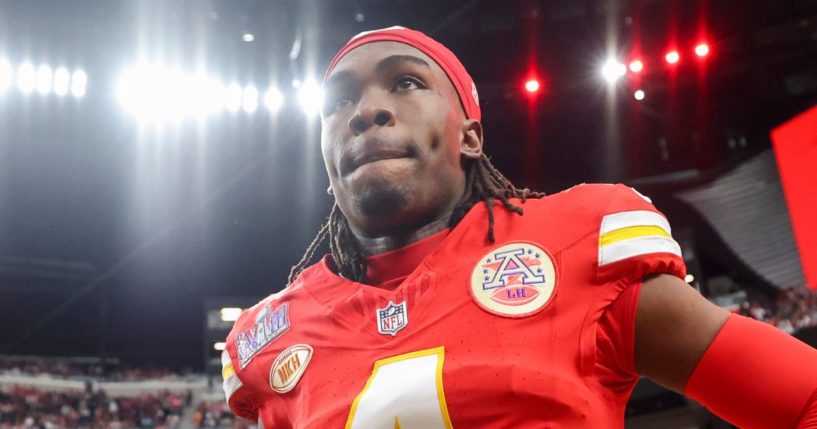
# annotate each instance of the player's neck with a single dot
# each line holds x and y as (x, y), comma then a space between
(385, 243)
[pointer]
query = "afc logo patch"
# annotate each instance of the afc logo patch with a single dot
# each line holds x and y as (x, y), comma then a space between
(392, 318)
(514, 280)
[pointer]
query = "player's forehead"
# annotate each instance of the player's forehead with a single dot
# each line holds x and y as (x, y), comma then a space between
(377, 57)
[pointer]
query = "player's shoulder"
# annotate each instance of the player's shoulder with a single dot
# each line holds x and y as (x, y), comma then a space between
(263, 323)
(589, 203)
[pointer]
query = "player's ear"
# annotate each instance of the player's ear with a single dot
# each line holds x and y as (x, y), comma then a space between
(471, 142)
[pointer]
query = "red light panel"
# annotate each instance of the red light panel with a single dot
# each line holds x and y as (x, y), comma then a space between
(795, 147)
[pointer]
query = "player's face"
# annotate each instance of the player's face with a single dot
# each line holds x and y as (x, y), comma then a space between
(391, 136)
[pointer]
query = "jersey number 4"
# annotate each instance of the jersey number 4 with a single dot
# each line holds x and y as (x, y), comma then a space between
(403, 392)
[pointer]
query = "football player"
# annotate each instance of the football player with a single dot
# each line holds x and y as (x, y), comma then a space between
(451, 298)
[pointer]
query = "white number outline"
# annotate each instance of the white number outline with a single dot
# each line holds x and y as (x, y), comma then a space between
(443, 407)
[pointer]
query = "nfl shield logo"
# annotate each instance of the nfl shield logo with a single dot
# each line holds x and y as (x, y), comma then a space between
(392, 319)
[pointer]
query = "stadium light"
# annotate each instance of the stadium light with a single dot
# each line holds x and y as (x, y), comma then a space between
(26, 78)
(636, 66)
(532, 86)
(672, 57)
(612, 70)
(249, 99)
(689, 278)
(230, 314)
(79, 80)
(220, 346)
(310, 97)
(6, 75)
(61, 81)
(273, 99)
(154, 93)
(232, 98)
(248, 37)
(702, 50)
(44, 78)
(639, 94)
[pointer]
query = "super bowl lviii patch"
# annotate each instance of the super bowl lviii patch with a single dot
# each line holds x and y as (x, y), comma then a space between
(514, 280)
(269, 325)
(392, 318)
(289, 367)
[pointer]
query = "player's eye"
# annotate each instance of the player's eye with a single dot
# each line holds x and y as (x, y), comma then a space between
(406, 83)
(333, 104)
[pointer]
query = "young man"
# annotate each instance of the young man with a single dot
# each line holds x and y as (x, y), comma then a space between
(453, 299)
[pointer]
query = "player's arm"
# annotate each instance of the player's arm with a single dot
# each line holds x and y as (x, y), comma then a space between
(747, 372)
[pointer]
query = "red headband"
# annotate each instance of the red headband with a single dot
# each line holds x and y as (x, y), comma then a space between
(451, 65)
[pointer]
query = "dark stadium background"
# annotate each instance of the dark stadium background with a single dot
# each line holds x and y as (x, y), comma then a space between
(114, 235)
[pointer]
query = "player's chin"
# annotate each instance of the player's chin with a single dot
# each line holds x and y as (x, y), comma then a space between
(381, 201)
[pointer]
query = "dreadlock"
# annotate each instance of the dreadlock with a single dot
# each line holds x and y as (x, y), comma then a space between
(483, 182)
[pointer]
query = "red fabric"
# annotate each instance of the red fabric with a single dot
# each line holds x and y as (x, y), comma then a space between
(809, 419)
(387, 270)
(615, 363)
(755, 376)
(634, 269)
(451, 65)
(542, 370)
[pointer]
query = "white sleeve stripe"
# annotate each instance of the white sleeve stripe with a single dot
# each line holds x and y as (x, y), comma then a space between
(621, 220)
(225, 359)
(621, 250)
(230, 385)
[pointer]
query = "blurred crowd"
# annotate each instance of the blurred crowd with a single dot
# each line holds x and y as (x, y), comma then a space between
(28, 408)
(793, 309)
(216, 415)
(65, 368)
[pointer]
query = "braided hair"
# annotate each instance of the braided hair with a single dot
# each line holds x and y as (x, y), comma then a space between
(483, 182)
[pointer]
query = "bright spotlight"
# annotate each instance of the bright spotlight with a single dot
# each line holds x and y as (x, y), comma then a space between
(219, 346)
(61, 81)
(249, 99)
(6, 75)
(672, 57)
(44, 76)
(215, 95)
(636, 66)
(532, 86)
(230, 314)
(154, 93)
(612, 70)
(689, 278)
(273, 99)
(639, 94)
(702, 50)
(26, 78)
(310, 97)
(232, 100)
(79, 80)
(248, 37)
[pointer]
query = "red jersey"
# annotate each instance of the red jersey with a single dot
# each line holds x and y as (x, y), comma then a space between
(514, 334)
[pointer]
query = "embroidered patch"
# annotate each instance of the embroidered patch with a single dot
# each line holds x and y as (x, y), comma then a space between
(392, 319)
(269, 325)
(289, 366)
(514, 280)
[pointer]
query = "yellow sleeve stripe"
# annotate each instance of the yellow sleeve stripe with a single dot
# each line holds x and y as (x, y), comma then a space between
(631, 232)
(227, 371)
(628, 234)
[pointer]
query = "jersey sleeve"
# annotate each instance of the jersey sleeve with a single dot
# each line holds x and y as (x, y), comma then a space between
(635, 240)
(238, 396)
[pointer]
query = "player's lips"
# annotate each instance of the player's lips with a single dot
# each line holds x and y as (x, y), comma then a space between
(372, 150)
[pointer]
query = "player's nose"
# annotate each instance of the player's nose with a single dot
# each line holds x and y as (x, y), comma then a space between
(371, 113)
